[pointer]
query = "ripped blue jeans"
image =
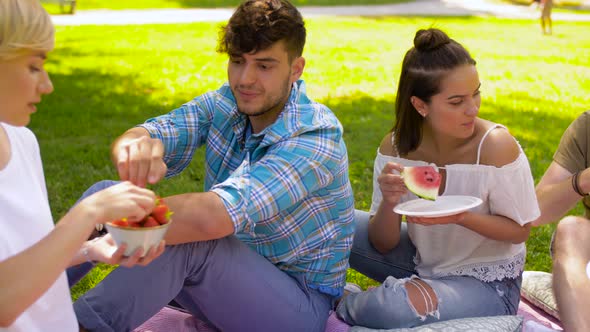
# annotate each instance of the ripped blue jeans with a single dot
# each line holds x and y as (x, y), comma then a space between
(387, 306)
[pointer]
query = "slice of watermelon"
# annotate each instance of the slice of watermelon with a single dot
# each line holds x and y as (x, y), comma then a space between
(423, 181)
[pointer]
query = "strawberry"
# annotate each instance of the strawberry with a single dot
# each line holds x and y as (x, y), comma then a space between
(121, 222)
(161, 213)
(150, 222)
(136, 224)
(159, 216)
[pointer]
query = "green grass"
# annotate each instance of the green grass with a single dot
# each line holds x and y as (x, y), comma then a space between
(109, 78)
(151, 4)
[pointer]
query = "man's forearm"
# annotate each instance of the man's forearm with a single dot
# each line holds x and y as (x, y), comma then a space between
(198, 217)
(555, 201)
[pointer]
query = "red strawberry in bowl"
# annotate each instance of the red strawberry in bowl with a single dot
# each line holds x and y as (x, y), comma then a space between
(144, 233)
(150, 222)
(161, 213)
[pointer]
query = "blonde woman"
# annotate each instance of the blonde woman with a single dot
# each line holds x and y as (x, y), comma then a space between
(34, 294)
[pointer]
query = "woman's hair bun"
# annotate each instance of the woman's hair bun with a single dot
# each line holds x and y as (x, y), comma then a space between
(427, 40)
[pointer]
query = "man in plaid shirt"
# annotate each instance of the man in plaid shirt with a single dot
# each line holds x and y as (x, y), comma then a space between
(265, 247)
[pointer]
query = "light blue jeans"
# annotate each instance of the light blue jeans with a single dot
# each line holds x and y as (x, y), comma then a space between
(387, 306)
(222, 282)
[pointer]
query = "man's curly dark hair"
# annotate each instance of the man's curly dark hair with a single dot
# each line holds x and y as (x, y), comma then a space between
(258, 24)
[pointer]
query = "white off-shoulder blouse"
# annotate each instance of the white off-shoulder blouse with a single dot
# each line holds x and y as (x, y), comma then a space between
(443, 250)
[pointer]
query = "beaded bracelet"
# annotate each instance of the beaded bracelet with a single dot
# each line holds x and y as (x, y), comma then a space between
(576, 185)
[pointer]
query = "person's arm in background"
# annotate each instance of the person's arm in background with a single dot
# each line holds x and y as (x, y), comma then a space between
(556, 190)
(556, 193)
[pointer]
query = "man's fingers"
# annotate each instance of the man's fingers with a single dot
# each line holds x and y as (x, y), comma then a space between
(141, 161)
(133, 162)
(157, 171)
(143, 168)
(122, 163)
(157, 166)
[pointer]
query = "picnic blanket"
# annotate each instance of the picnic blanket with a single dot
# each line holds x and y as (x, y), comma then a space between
(169, 319)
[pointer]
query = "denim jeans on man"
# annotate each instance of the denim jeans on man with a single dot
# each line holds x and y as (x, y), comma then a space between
(223, 282)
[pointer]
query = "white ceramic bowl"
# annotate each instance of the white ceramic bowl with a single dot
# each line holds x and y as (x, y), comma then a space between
(137, 237)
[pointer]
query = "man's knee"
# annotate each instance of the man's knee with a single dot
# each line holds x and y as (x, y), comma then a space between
(572, 235)
(100, 185)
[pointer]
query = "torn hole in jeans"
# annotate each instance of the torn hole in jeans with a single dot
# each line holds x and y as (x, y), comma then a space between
(431, 301)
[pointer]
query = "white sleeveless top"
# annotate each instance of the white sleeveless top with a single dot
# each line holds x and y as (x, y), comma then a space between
(25, 218)
(443, 250)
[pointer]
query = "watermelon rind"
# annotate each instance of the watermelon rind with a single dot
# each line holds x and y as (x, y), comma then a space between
(410, 175)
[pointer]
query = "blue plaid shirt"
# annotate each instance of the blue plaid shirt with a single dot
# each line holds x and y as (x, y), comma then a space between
(286, 188)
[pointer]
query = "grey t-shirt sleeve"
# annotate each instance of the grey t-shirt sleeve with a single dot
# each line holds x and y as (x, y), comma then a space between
(572, 152)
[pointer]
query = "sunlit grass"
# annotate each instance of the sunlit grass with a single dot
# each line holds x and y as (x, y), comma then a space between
(155, 4)
(109, 78)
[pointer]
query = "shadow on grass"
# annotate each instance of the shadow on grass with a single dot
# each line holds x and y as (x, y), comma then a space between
(365, 121)
(76, 125)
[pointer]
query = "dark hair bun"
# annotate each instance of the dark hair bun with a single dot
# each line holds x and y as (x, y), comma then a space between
(430, 39)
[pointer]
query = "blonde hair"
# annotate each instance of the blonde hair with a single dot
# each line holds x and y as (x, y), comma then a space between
(25, 27)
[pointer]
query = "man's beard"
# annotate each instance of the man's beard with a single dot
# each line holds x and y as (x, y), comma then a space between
(272, 105)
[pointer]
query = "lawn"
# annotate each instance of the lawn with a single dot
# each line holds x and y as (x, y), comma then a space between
(151, 4)
(109, 78)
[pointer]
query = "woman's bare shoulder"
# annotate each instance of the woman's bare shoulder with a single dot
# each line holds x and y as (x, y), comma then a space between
(499, 147)
(387, 147)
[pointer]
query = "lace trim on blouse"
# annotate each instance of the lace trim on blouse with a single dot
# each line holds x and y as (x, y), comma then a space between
(507, 268)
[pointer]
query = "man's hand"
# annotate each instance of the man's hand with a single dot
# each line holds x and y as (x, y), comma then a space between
(139, 158)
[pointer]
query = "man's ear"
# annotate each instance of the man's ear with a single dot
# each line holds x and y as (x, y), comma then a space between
(297, 68)
(419, 105)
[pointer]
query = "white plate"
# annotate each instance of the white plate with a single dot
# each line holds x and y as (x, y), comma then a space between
(443, 206)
